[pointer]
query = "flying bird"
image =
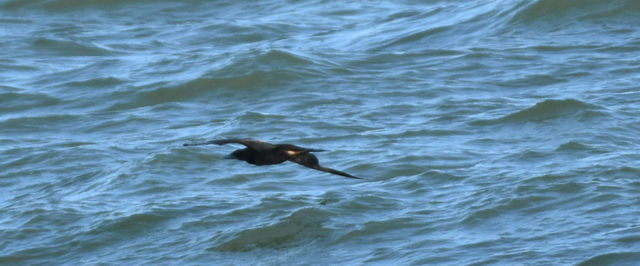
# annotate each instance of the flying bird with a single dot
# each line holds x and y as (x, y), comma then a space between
(264, 153)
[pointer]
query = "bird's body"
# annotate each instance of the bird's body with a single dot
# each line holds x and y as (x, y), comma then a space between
(264, 153)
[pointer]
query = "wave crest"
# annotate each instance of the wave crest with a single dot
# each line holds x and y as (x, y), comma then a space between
(548, 110)
(302, 224)
(569, 10)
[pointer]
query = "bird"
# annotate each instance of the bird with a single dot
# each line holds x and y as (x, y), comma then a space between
(263, 153)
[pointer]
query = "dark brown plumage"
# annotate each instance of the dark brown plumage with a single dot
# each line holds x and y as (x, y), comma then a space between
(263, 153)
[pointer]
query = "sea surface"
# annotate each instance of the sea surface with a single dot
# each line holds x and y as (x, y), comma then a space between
(487, 132)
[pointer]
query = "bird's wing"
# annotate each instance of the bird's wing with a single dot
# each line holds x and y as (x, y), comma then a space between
(250, 143)
(333, 171)
(296, 148)
(311, 161)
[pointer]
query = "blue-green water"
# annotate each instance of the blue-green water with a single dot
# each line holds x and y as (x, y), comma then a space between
(489, 132)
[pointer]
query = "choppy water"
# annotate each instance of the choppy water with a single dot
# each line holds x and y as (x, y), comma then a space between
(489, 132)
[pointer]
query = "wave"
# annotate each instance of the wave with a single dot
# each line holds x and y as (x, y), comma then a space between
(303, 224)
(445, 26)
(575, 146)
(531, 80)
(244, 75)
(266, 61)
(14, 101)
(61, 4)
(101, 82)
(432, 26)
(68, 48)
(412, 37)
(37, 123)
(570, 10)
(133, 224)
(102, 234)
(615, 258)
(548, 110)
(462, 24)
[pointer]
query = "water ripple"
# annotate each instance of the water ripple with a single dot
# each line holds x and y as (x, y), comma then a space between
(487, 132)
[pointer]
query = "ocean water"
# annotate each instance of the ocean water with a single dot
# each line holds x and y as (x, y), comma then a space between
(487, 132)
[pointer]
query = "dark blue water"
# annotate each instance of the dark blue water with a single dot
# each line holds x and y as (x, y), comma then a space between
(488, 132)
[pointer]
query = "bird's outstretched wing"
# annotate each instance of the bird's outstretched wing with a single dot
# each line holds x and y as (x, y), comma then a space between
(311, 161)
(333, 171)
(250, 143)
(296, 148)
